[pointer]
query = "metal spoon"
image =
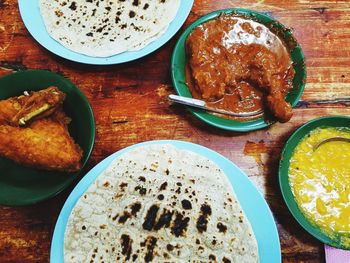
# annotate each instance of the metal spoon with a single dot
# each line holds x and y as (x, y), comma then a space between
(332, 139)
(202, 105)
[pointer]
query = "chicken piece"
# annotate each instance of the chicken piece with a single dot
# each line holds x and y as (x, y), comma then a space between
(274, 79)
(281, 109)
(19, 111)
(44, 144)
(34, 132)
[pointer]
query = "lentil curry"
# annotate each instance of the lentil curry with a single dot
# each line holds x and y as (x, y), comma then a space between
(320, 181)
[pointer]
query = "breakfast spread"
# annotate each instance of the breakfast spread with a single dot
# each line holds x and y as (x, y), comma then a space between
(320, 178)
(157, 202)
(240, 65)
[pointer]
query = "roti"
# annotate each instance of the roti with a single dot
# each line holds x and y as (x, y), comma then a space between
(157, 203)
(103, 28)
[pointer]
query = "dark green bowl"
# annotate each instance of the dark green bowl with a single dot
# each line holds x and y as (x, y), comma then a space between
(20, 185)
(298, 135)
(179, 61)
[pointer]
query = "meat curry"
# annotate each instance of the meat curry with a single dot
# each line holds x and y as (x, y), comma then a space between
(239, 65)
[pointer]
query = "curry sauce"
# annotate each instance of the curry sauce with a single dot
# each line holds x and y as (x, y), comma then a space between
(234, 62)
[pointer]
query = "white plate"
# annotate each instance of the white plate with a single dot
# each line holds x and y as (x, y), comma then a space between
(32, 19)
(252, 202)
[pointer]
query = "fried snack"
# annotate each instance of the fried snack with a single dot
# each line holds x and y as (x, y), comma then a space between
(18, 111)
(34, 132)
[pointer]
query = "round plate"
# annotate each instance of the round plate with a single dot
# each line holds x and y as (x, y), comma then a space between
(253, 203)
(20, 185)
(33, 21)
(179, 61)
(330, 121)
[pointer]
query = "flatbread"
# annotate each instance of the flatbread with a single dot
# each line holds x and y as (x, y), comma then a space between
(157, 203)
(103, 28)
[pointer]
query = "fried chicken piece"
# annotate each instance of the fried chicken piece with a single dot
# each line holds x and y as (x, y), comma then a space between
(34, 132)
(44, 144)
(19, 111)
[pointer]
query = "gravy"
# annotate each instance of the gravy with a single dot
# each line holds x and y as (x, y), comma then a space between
(239, 65)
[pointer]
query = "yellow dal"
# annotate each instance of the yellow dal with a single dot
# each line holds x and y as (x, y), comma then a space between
(320, 180)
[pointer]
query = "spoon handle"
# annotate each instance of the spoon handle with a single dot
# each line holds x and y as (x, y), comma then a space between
(332, 139)
(202, 105)
(187, 101)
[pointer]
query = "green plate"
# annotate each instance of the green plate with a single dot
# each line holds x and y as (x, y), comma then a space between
(179, 77)
(20, 185)
(330, 121)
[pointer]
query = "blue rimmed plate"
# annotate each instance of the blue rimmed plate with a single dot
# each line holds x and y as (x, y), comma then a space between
(252, 202)
(33, 21)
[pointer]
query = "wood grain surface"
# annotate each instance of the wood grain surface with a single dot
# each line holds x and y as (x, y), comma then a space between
(130, 106)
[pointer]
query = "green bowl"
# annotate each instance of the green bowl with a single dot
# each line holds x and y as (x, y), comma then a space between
(298, 135)
(179, 77)
(20, 185)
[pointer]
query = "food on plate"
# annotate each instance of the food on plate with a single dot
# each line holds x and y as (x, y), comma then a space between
(106, 28)
(158, 203)
(34, 132)
(18, 111)
(240, 65)
(320, 181)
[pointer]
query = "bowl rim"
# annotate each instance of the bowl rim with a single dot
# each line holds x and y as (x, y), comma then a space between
(91, 141)
(283, 176)
(223, 123)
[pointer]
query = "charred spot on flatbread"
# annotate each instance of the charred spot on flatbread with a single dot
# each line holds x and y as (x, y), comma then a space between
(180, 224)
(126, 245)
(150, 219)
(221, 227)
(186, 204)
(202, 221)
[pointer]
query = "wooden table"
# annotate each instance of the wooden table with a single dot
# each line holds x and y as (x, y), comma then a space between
(130, 106)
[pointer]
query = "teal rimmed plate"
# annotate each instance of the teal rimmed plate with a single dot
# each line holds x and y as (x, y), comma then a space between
(30, 13)
(253, 203)
(179, 61)
(298, 135)
(20, 185)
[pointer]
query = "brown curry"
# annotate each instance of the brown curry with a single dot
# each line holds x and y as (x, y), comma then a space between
(239, 65)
